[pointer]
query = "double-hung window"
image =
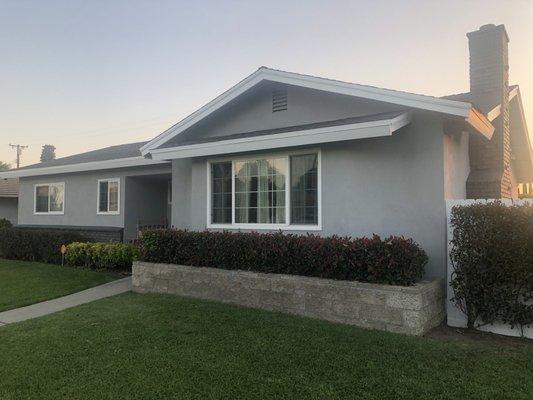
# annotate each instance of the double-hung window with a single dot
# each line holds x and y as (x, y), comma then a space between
(265, 192)
(50, 198)
(109, 196)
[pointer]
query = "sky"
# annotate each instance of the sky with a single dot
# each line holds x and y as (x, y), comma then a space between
(82, 75)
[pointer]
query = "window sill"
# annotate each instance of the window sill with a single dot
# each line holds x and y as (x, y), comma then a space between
(108, 213)
(263, 227)
(49, 213)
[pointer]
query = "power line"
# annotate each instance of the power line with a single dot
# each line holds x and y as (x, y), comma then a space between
(19, 148)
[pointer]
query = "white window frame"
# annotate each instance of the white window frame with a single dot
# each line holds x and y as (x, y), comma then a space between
(287, 226)
(108, 180)
(169, 192)
(62, 212)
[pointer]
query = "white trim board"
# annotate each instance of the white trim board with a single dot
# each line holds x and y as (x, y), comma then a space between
(363, 130)
(81, 167)
(423, 102)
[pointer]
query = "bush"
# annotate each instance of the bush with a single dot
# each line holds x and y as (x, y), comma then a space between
(492, 254)
(34, 244)
(394, 260)
(101, 255)
(4, 223)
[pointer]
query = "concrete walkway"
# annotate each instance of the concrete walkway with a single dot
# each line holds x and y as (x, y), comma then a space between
(62, 303)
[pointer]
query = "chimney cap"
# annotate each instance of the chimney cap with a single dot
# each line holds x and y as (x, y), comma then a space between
(487, 29)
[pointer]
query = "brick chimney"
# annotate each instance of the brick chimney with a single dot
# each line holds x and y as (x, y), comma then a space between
(490, 173)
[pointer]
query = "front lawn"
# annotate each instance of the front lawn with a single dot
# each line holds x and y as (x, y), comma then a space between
(135, 346)
(23, 283)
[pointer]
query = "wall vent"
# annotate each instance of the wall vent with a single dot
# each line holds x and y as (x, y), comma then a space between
(279, 100)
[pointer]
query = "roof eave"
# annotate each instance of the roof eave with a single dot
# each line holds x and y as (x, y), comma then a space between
(80, 167)
(385, 127)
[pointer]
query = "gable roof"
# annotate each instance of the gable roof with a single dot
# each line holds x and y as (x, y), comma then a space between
(446, 106)
(120, 156)
(9, 187)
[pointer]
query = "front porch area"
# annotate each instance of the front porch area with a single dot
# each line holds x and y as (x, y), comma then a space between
(147, 203)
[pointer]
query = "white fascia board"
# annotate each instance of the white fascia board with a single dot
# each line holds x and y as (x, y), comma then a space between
(445, 106)
(288, 139)
(480, 123)
(81, 167)
(494, 113)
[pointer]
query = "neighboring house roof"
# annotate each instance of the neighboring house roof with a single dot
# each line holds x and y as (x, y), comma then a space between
(121, 156)
(108, 153)
(9, 188)
(454, 108)
(520, 140)
(375, 125)
(514, 90)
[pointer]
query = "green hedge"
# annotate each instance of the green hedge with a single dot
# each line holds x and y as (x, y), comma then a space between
(492, 254)
(393, 260)
(101, 255)
(4, 223)
(34, 244)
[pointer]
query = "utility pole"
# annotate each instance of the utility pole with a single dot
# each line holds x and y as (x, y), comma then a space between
(19, 151)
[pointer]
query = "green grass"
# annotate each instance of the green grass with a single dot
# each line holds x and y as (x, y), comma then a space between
(136, 346)
(23, 283)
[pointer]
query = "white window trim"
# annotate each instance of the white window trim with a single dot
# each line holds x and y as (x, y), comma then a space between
(169, 192)
(287, 226)
(108, 180)
(62, 212)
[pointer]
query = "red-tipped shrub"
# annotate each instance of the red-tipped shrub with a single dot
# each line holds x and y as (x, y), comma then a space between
(395, 260)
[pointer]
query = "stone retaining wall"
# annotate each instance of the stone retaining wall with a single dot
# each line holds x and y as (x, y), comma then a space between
(411, 310)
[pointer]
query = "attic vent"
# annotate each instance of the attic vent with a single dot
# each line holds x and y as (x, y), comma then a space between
(279, 100)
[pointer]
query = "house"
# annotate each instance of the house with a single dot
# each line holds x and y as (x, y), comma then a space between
(299, 153)
(9, 192)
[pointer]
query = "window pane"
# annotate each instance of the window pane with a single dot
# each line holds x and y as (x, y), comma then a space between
(56, 198)
(260, 191)
(102, 201)
(41, 199)
(221, 193)
(304, 192)
(113, 196)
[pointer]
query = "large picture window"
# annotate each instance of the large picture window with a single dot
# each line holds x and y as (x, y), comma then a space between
(265, 192)
(50, 198)
(108, 196)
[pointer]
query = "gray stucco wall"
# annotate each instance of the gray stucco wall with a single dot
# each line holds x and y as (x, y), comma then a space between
(8, 209)
(80, 197)
(388, 186)
(456, 165)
